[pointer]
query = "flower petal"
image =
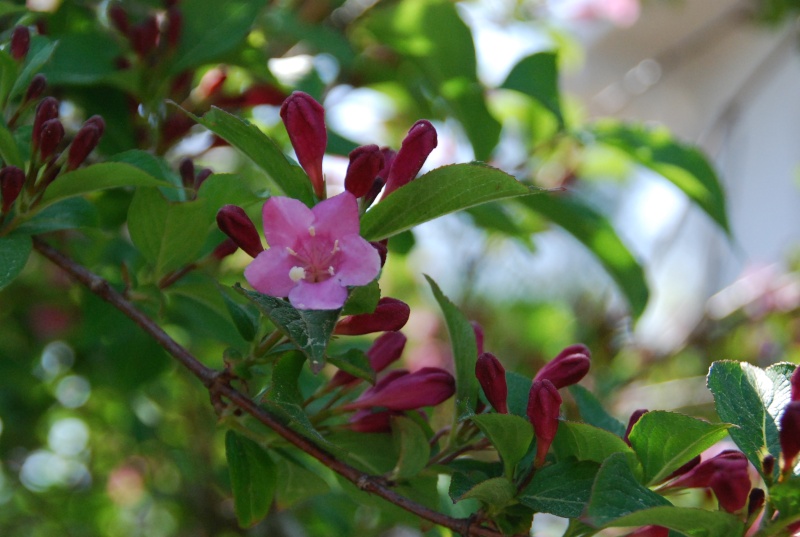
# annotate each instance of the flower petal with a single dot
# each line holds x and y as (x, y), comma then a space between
(327, 295)
(268, 273)
(337, 216)
(359, 263)
(286, 220)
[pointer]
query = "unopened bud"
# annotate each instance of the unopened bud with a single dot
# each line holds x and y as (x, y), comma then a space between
(755, 501)
(186, 169)
(35, 88)
(417, 145)
(211, 83)
(492, 378)
(224, 249)
(725, 474)
(304, 119)
(20, 42)
(768, 465)
(650, 531)
(795, 382)
(85, 141)
(235, 223)
(260, 94)
(478, 330)
(406, 391)
(11, 181)
(202, 175)
(52, 134)
(685, 469)
(790, 435)
(119, 19)
(372, 195)
(568, 368)
(367, 421)
(144, 36)
(174, 26)
(46, 110)
(382, 249)
(635, 417)
(384, 351)
(391, 314)
(365, 164)
(544, 406)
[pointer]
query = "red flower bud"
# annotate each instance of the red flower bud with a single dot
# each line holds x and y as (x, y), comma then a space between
(224, 249)
(119, 19)
(417, 145)
(85, 141)
(790, 435)
(478, 329)
(390, 315)
(568, 368)
(365, 163)
(544, 404)
(768, 464)
(11, 181)
(366, 421)
(795, 382)
(20, 42)
(650, 531)
(755, 501)
(262, 94)
(636, 416)
(686, 468)
(406, 391)
(304, 119)
(384, 351)
(492, 378)
(382, 248)
(211, 83)
(174, 26)
(144, 36)
(35, 88)
(46, 109)
(725, 474)
(235, 223)
(186, 169)
(202, 175)
(52, 134)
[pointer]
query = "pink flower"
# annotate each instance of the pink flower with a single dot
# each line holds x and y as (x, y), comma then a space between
(314, 253)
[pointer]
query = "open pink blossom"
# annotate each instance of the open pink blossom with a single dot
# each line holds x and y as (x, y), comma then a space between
(314, 254)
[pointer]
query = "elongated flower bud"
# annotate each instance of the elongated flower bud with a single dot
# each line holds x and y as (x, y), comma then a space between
(47, 109)
(235, 223)
(52, 134)
(35, 88)
(11, 181)
(755, 501)
(768, 465)
(650, 531)
(365, 163)
(427, 387)
(544, 405)
(144, 36)
(224, 249)
(201, 177)
(85, 141)
(725, 474)
(20, 42)
(636, 416)
(186, 169)
(304, 119)
(119, 19)
(568, 368)
(384, 351)
(417, 145)
(174, 26)
(795, 382)
(390, 315)
(790, 435)
(685, 469)
(492, 378)
(478, 329)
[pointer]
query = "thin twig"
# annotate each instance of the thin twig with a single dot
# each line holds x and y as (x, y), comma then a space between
(219, 386)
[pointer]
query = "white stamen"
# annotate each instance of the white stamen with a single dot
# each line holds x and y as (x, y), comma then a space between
(297, 273)
(331, 271)
(335, 246)
(291, 252)
(312, 231)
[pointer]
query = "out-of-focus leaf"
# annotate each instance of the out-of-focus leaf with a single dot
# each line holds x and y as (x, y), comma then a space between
(212, 28)
(82, 59)
(98, 177)
(537, 76)
(310, 330)
(561, 489)
(684, 166)
(253, 478)
(66, 214)
(8, 74)
(686, 520)
(465, 353)
(593, 412)
(14, 252)
(753, 399)
(9, 151)
(510, 435)
(246, 321)
(598, 235)
(665, 441)
(262, 151)
(322, 38)
(441, 191)
(355, 362)
(412, 445)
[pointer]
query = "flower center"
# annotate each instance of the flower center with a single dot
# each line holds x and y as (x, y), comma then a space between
(315, 260)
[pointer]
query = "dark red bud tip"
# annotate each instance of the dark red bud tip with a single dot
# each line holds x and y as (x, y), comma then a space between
(390, 315)
(382, 248)
(47, 109)
(174, 26)
(686, 468)
(20, 42)
(304, 119)
(52, 134)
(768, 465)
(478, 329)
(795, 382)
(725, 474)
(384, 351)
(401, 390)
(544, 405)
(96, 121)
(790, 435)
(119, 19)
(365, 164)
(224, 249)
(144, 36)
(367, 421)
(568, 368)
(755, 501)
(492, 378)
(35, 88)
(11, 181)
(417, 145)
(186, 169)
(262, 94)
(202, 175)
(650, 531)
(636, 416)
(235, 223)
(84, 143)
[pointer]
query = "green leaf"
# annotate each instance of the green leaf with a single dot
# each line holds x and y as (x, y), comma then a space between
(441, 191)
(684, 166)
(561, 489)
(617, 492)
(169, 235)
(9, 151)
(665, 441)
(465, 353)
(253, 478)
(519, 389)
(83, 58)
(510, 435)
(587, 443)
(98, 177)
(227, 189)
(496, 492)
(753, 400)
(785, 497)
(66, 214)
(8, 74)
(363, 299)
(212, 28)
(355, 362)
(246, 321)
(285, 375)
(598, 235)
(247, 138)
(309, 330)
(412, 445)
(537, 76)
(593, 413)
(688, 521)
(40, 52)
(14, 252)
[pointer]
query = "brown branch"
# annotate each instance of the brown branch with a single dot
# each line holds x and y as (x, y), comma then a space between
(218, 385)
